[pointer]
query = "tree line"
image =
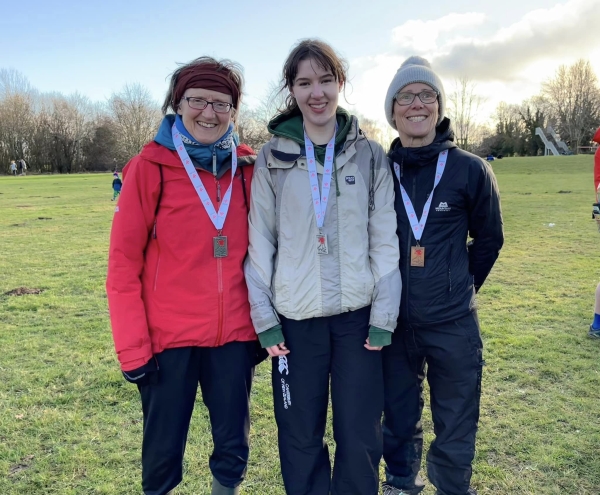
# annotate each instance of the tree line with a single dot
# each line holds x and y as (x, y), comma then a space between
(56, 133)
(569, 102)
(53, 132)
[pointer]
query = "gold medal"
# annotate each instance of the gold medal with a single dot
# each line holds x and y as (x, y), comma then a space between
(417, 256)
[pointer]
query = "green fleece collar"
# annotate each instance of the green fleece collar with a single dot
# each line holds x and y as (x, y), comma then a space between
(291, 126)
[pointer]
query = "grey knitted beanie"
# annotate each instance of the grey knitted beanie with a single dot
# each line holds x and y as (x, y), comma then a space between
(414, 70)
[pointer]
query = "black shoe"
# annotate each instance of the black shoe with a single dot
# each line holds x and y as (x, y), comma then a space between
(392, 490)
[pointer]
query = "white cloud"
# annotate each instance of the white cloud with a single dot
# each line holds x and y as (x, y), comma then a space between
(565, 31)
(422, 36)
(508, 63)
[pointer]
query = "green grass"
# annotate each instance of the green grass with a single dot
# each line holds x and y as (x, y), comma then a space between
(69, 424)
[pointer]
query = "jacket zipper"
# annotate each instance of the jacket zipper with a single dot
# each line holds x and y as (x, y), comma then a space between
(408, 245)
(219, 262)
(449, 270)
(220, 289)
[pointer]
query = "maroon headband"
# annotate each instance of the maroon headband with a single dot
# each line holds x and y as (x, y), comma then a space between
(206, 77)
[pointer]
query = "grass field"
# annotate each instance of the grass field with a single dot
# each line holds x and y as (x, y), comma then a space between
(69, 424)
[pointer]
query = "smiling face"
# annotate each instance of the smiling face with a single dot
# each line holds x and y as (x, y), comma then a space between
(317, 92)
(416, 122)
(206, 126)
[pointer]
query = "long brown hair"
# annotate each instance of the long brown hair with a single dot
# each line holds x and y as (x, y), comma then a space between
(319, 51)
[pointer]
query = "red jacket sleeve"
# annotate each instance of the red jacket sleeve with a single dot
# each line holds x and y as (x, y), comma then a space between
(132, 223)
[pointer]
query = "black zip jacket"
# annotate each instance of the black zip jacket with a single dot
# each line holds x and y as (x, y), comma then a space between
(466, 203)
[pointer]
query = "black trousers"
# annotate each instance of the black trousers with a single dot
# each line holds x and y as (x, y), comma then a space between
(453, 355)
(225, 375)
(321, 348)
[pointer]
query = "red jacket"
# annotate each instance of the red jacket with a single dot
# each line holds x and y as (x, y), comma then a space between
(596, 139)
(165, 287)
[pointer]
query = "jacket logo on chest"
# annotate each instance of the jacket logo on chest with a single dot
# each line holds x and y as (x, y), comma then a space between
(443, 206)
(350, 180)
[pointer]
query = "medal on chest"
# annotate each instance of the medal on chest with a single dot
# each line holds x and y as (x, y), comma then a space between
(417, 256)
(322, 244)
(320, 199)
(220, 248)
(417, 253)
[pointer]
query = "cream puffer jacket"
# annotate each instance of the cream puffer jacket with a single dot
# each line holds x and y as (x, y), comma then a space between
(284, 272)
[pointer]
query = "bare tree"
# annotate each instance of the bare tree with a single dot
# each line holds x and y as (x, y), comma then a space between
(13, 82)
(463, 105)
(574, 98)
(69, 125)
(16, 115)
(252, 123)
(137, 117)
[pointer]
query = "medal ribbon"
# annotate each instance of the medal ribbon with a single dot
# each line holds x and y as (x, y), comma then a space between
(419, 225)
(320, 200)
(217, 218)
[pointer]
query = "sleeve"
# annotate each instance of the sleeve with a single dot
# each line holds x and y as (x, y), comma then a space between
(132, 223)
(259, 264)
(485, 223)
(384, 250)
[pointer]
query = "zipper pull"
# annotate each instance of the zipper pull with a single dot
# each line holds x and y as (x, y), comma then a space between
(214, 162)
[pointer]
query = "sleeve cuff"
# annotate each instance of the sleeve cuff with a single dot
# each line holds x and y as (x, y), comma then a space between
(379, 337)
(271, 337)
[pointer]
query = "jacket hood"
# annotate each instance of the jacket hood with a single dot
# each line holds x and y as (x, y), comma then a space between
(291, 126)
(596, 137)
(444, 140)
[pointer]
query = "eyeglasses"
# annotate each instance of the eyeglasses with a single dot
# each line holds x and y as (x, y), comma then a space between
(201, 104)
(426, 96)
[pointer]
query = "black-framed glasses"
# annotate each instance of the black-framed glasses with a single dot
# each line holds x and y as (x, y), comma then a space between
(200, 104)
(427, 96)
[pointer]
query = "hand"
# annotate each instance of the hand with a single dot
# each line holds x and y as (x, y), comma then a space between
(372, 348)
(278, 350)
(144, 375)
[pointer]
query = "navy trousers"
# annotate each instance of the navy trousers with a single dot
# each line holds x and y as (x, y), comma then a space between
(225, 376)
(324, 350)
(451, 356)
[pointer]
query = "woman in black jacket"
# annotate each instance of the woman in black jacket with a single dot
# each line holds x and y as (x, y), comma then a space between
(444, 195)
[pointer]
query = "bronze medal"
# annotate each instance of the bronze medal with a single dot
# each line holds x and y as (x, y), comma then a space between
(417, 256)
(220, 246)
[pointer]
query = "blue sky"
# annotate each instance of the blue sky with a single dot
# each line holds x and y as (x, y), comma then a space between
(96, 48)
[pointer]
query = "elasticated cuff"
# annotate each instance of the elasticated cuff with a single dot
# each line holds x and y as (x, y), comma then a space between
(378, 337)
(271, 337)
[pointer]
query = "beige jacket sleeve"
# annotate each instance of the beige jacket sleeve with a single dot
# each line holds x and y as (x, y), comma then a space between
(260, 262)
(384, 250)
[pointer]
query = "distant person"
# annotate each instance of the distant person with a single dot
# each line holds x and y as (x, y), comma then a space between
(20, 167)
(116, 185)
(23, 166)
(323, 279)
(13, 168)
(176, 291)
(443, 195)
(594, 330)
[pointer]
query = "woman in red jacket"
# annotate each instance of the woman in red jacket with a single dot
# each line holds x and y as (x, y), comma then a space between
(176, 291)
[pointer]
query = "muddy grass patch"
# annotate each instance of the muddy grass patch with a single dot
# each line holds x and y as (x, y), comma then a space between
(22, 291)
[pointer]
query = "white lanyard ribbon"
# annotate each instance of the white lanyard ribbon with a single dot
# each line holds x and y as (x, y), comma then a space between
(320, 200)
(217, 218)
(419, 225)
